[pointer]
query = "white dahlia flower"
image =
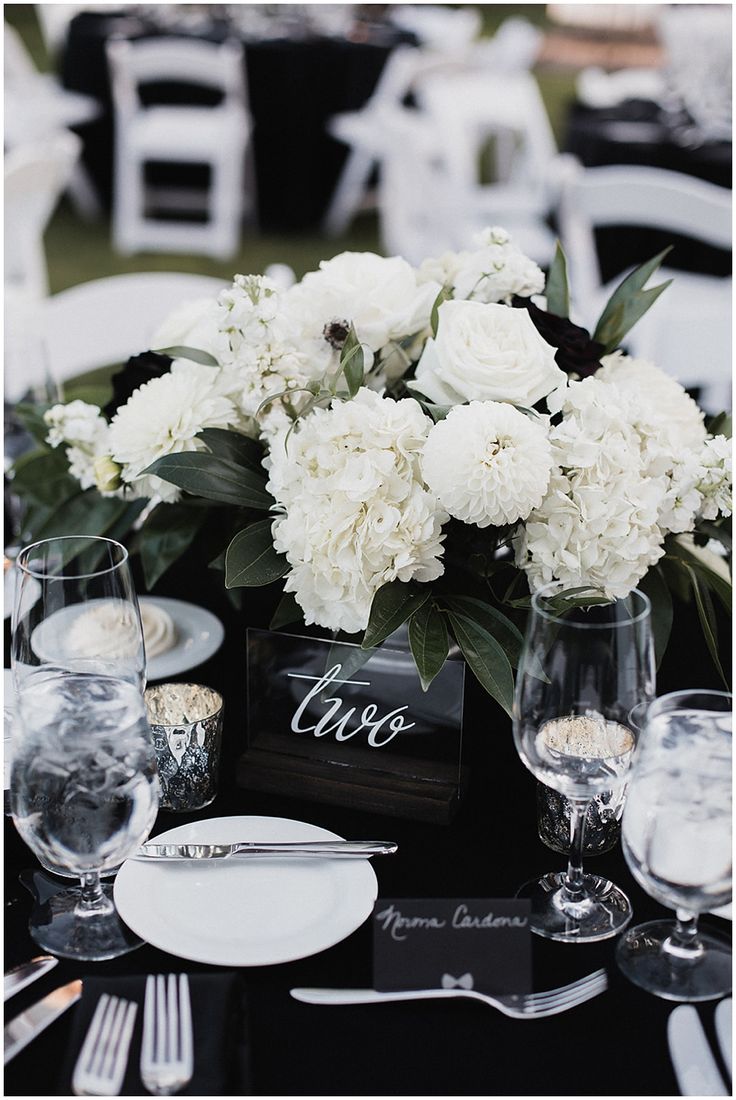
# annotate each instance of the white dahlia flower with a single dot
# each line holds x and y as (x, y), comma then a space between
(494, 271)
(486, 353)
(488, 463)
(163, 417)
(355, 510)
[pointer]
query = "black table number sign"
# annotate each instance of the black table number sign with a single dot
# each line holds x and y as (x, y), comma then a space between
(452, 943)
(334, 723)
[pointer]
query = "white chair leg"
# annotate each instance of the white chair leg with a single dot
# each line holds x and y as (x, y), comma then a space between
(83, 195)
(348, 193)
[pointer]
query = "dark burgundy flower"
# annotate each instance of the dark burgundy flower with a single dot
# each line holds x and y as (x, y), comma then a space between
(577, 352)
(138, 370)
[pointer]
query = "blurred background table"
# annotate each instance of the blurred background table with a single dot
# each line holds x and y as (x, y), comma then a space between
(295, 84)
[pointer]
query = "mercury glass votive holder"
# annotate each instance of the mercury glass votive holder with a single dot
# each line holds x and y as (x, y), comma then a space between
(186, 723)
(602, 820)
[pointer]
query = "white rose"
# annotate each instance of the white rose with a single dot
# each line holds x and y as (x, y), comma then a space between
(486, 352)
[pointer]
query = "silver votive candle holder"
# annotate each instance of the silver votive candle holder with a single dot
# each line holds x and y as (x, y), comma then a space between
(186, 723)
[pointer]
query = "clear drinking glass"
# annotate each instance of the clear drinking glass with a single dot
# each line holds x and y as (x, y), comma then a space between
(677, 842)
(84, 795)
(582, 670)
(76, 610)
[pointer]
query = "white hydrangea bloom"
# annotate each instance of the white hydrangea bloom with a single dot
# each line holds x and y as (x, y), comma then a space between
(83, 428)
(488, 463)
(163, 417)
(486, 353)
(599, 522)
(494, 271)
(355, 510)
(715, 478)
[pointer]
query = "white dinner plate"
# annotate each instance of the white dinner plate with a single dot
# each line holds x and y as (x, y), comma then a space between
(247, 912)
(198, 635)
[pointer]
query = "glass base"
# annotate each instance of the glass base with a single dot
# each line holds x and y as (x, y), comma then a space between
(56, 926)
(643, 957)
(603, 912)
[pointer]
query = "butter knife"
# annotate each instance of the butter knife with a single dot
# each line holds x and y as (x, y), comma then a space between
(340, 849)
(21, 976)
(695, 1067)
(25, 1027)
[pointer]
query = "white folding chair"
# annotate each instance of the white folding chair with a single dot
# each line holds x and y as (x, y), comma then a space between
(687, 331)
(36, 175)
(215, 136)
(37, 106)
(54, 20)
(438, 26)
(105, 321)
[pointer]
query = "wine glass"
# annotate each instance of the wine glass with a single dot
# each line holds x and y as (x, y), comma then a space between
(84, 795)
(677, 842)
(76, 610)
(584, 666)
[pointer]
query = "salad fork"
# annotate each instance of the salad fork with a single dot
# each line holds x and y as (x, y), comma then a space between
(100, 1067)
(167, 1051)
(523, 1006)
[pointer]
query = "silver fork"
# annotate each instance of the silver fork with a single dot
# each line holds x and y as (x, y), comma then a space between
(167, 1051)
(100, 1067)
(524, 1006)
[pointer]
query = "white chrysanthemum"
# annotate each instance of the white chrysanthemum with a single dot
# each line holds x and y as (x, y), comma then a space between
(494, 271)
(84, 429)
(264, 352)
(379, 296)
(488, 463)
(598, 525)
(715, 478)
(356, 513)
(163, 417)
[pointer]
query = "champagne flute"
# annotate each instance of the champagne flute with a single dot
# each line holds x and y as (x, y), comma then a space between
(76, 610)
(677, 842)
(84, 795)
(584, 667)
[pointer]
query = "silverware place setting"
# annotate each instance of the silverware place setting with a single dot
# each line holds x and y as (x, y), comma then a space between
(693, 1060)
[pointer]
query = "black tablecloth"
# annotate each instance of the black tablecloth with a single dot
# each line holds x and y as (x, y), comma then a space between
(613, 1045)
(636, 132)
(294, 87)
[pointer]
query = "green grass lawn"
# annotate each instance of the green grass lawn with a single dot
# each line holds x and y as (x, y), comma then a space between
(78, 251)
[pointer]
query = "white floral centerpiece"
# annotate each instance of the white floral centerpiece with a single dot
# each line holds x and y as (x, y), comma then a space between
(404, 445)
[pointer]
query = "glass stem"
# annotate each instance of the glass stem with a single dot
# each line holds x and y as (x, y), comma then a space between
(684, 942)
(92, 902)
(574, 877)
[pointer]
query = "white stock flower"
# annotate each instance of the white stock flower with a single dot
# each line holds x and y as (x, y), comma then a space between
(715, 477)
(494, 271)
(486, 353)
(163, 417)
(379, 296)
(355, 512)
(488, 463)
(264, 352)
(83, 428)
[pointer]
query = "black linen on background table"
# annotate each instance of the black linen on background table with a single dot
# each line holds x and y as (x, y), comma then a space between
(294, 86)
(612, 1045)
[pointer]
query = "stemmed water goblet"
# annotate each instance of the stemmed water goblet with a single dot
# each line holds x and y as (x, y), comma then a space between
(76, 610)
(84, 795)
(676, 836)
(586, 663)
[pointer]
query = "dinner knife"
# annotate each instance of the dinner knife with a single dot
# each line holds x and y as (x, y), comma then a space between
(26, 1026)
(21, 976)
(695, 1067)
(340, 849)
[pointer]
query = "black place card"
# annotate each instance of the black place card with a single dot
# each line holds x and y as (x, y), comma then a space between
(446, 943)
